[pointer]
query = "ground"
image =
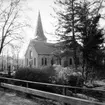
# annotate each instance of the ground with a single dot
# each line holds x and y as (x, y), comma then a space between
(10, 98)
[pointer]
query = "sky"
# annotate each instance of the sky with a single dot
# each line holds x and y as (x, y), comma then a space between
(44, 6)
(30, 12)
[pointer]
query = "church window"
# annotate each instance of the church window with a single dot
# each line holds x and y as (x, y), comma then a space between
(52, 61)
(42, 61)
(30, 54)
(31, 63)
(70, 61)
(60, 61)
(34, 61)
(45, 61)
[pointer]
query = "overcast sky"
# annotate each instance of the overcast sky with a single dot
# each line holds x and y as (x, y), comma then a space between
(31, 11)
(44, 6)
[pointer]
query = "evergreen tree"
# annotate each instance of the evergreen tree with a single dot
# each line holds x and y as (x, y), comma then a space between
(67, 19)
(91, 38)
(70, 15)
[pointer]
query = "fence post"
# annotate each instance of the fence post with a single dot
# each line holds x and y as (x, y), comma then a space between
(9, 71)
(64, 93)
(27, 84)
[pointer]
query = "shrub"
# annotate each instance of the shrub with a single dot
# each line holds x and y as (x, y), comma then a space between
(68, 76)
(52, 74)
(37, 75)
(75, 80)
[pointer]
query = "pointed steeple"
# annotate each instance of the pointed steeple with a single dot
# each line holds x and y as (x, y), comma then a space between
(39, 34)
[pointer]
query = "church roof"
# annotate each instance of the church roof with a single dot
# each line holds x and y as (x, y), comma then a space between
(39, 42)
(43, 47)
(39, 34)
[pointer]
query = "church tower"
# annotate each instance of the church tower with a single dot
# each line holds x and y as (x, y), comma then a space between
(39, 34)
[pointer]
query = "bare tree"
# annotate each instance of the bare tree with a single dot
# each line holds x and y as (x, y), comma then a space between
(10, 22)
(16, 51)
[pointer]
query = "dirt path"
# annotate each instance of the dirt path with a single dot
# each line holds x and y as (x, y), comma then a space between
(7, 98)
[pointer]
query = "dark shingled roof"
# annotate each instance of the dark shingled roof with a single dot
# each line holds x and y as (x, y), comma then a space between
(43, 47)
(39, 42)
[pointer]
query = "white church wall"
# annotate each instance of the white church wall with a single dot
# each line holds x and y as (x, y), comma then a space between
(35, 58)
(68, 61)
(29, 62)
(44, 57)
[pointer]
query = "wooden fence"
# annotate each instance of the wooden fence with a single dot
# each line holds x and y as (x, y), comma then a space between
(48, 95)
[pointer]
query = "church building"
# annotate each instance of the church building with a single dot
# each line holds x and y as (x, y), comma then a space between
(40, 53)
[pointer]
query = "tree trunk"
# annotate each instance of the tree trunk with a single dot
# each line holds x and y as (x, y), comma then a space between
(73, 33)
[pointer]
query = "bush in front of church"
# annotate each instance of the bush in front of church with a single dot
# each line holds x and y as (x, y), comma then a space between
(68, 76)
(43, 75)
(52, 74)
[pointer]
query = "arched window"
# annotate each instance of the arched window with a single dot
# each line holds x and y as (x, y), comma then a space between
(45, 61)
(60, 61)
(70, 61)
(42, 61)
(52, 61)
(31, 63)
(34, 61)
(31, 55)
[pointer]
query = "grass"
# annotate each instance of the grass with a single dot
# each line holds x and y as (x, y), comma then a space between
(10, 98)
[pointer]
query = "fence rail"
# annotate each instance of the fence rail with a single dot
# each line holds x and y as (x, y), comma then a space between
(49, 84)
(53, 96)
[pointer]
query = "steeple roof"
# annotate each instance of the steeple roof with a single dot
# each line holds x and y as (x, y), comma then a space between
(39, 34)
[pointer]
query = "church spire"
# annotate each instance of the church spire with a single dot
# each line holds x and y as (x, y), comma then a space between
(39, 34)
